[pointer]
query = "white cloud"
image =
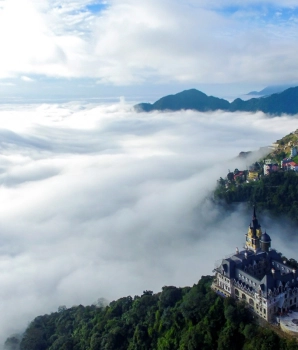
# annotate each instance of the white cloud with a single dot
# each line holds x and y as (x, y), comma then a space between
(133, 42)
(97, 201)
(27, 79)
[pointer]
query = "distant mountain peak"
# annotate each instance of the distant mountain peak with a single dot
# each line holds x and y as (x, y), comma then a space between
(187, 99)
(272, 89)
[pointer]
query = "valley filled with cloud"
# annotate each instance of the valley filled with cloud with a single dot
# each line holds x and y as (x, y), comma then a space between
(98, 201)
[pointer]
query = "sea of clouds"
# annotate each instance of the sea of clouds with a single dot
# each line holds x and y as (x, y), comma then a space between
(98, 201)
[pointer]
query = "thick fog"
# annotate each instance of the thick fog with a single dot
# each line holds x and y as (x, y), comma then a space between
(99, 201)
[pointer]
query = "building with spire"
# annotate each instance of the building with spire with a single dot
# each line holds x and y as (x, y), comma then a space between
(258, 275)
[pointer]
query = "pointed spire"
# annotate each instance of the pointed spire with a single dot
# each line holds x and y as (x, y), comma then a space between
(254, 225)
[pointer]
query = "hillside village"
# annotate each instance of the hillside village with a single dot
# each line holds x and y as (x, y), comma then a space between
(283, 157)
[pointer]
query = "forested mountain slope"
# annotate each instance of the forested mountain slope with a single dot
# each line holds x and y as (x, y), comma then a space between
(186, 318)
(277, 193)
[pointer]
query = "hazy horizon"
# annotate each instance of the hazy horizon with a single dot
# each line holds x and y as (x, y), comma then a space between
(80, 48)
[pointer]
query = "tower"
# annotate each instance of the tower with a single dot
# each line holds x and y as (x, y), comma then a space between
(265, 241)
(254, 234)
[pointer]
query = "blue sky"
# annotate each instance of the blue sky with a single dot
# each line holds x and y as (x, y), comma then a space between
(263, 14)
(131, 47)
(96, 7)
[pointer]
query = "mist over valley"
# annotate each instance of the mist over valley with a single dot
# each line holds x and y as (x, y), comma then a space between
(101, 201)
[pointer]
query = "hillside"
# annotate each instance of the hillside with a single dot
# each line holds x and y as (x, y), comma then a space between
(276, 192)
(276, 104)
(279, 103)
(186, 318)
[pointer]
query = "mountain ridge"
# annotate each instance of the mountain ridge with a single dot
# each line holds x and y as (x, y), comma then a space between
(272, 89)
(284, 102)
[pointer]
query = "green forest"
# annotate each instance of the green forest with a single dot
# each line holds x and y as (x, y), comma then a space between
(186, 318)
(277, 193)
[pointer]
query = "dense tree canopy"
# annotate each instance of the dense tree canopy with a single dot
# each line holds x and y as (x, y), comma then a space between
(277, 193)
(188, 318)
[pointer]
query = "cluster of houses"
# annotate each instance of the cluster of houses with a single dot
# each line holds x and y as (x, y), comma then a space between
(285, 164)
(269, 167)
(246, 175)
(288, 164)
(243, 175)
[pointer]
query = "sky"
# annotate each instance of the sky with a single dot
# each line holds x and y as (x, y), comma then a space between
(143, 50)
(98, 201)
